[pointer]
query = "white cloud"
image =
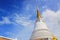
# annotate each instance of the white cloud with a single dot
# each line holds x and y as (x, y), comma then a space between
(14, 39)
(18, 19)
(5, 20)
(10, 33)
(23, 20)
(53, 21)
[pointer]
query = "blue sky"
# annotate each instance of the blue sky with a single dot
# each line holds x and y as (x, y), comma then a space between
(17, 17)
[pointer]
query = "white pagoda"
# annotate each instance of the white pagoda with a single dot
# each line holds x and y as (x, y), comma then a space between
(41, 32)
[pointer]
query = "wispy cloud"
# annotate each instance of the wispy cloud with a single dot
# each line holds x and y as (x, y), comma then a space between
(14, 39)
(18, 19)
(23, 20)
(5, 20)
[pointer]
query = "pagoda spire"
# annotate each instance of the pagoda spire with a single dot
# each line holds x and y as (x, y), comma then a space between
(37, 11)
(38, 15)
